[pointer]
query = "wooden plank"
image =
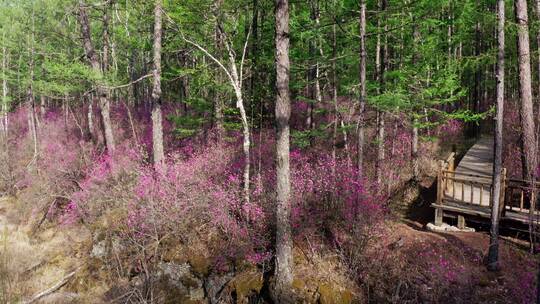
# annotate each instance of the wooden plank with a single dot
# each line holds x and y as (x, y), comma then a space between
(521, 201)
(470, 182)
(464, 210)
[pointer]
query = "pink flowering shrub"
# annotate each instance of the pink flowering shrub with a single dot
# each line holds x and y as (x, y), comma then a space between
(44, 178)
(451, 128)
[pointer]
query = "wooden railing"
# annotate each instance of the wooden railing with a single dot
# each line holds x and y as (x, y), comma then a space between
(467, 188)
(521, 196)
(475, 191)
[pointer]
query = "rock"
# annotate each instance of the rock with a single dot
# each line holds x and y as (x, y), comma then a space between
(397, 244)
(99, 250)
(330, 294)
(447, 228)
(200, 264)
(101, 246)
(181, 277)
(245, 285)
(214, 286)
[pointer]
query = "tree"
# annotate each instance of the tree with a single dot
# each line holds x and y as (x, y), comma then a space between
(380, 65)
(525, 91)
(218, 98)
(157, 119)
(493, 252)
(101, 89)
(235, 74)
(284, 261)
(362, 100)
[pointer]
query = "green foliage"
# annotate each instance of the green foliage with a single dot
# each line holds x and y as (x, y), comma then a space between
(303, 139)
(426, 74)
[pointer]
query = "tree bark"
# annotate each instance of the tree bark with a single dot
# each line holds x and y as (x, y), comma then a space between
(102, 92)
(313, 73)
(414, 148)
(493, 252)
(334, 100)
(5, 107)
(525, 90)
(383, 50)
(528, 139)
(90, 118)
(362, 100)
(218, 97)
(157, 119)
(284, 262)
(106, 38)
(32, 124)
(537, 135)
(42, 107)
(380, 145)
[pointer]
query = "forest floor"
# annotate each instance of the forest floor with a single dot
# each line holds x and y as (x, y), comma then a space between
(33, 262)
(405, 264)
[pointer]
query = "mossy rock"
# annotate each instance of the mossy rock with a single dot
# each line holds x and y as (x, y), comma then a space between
(245, 284)
(199, 264)
(334, 295)
(299, 285)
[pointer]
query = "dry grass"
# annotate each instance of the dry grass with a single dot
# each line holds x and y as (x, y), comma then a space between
(30, 264)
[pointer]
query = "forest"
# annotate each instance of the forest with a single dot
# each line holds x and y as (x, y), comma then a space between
(269, 151)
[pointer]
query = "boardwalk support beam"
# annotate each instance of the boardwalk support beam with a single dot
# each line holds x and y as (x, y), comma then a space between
(461, 222)
(438, 217)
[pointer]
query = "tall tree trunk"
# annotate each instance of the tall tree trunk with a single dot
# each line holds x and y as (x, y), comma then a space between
(106, 38)
(157, 119)
(525, 90)
(284, 261)
(334, 98)
(414, 148)
(493, 252)
(32, 124)
(313, 73)
(381, 115)
(5, 107)
(538, 135)
(218, 97)
(362, 101)
(254, 94)
(102, 91)
(236, 74)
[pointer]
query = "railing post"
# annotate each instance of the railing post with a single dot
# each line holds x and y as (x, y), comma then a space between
(451, 168)
(440, 189)
(452, 162)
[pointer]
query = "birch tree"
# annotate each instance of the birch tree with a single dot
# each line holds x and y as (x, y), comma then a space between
(284, 261)
(233, 67)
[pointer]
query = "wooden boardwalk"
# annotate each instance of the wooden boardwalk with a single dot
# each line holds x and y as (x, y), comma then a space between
(466, 190)
(476, 166)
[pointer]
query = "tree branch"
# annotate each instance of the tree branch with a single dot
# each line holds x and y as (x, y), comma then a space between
(53, 289)
(128, 84)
